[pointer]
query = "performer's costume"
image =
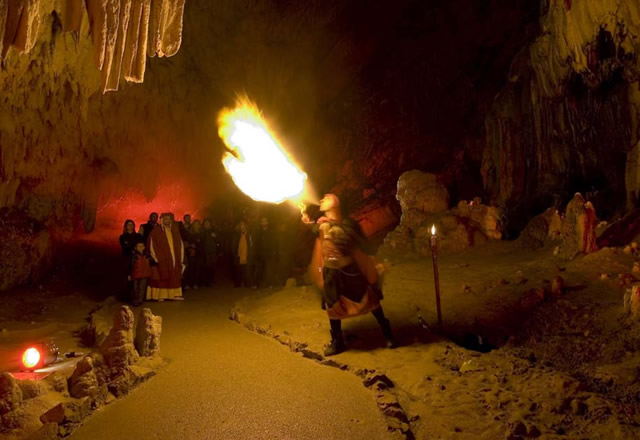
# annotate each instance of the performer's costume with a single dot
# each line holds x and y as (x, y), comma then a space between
(349, 278)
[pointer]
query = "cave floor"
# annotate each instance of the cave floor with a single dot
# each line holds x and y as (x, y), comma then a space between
(563, 367)
(223, 382)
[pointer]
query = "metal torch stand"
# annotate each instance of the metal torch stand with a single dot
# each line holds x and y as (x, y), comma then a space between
(436, 278)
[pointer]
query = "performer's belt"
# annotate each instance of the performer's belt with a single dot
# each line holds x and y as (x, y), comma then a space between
(338, 263)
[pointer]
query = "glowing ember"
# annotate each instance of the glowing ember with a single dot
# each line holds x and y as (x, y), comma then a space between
(30, 357)
(256, 160)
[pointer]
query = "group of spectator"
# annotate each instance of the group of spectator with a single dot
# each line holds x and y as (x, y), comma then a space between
(263, 257)
(165, 257)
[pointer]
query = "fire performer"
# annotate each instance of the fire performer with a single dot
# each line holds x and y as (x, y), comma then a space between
(167, 250)
(349, 278)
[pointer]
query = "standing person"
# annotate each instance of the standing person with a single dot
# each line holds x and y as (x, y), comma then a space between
(211, 251)
(128, 241)
(129, 238)
(285, 249)
(195, 260)
(146, 229)
(167, 250)
(185, 227)
(347, 273)
(243, 253)
(266, 255)
(140, 273)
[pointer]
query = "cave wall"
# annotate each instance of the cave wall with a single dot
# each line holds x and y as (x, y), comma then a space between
(520, 102)
(567, 119)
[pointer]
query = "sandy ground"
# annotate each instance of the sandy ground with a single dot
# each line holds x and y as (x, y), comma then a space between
(566, 367)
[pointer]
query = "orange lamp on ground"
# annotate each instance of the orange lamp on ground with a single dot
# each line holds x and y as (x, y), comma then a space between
(38, 356)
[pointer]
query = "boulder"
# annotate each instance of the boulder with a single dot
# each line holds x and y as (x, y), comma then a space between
(68, 412)
(83, 381)
(118, 348)
(32, 388)
(148, 333)
(10, 394)
(48, 431)
(419, 194)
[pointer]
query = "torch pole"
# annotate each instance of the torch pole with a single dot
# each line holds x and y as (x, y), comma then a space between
(436, 278)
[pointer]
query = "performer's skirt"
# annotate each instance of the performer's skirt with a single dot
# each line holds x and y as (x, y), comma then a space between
(347, 292)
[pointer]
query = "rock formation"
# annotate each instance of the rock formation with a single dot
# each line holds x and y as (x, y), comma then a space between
(118, 349)
(567, 119)
(148, 333)
(10, 401)
(83, 380)
(424, 201)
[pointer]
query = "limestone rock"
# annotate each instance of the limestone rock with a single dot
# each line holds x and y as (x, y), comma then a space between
(10, 393)
(32, 388)
(118, 349)
(68, 412)
(99, 323)
(48, 431)
(83, 380)
(148, 333)
(12, 420)
(419, 194)
(578, 228)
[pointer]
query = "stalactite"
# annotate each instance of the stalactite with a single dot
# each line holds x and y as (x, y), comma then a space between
(27, 31)
(115, 71)
(71, 15)
(123, 32)
(135, 56)
(171, 27)
(166, 27)
(4, 10)
(97, 12)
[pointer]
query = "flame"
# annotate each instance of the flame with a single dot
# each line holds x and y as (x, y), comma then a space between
(257, 162)
(433, 229)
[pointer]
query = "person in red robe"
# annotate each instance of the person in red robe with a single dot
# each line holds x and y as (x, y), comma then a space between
(349, 274)
(166, 248)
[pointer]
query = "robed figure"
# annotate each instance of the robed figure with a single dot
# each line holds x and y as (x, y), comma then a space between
(167, 249)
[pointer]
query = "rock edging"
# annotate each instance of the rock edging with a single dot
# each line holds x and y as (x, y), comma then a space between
(377, 382)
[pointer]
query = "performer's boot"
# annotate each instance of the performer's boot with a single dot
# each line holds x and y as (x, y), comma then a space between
(337, 344)
(386, 332)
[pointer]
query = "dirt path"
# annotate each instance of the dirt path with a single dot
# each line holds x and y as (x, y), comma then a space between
(223, 382)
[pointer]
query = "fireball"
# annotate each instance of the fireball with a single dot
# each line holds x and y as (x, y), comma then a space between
(256, 160)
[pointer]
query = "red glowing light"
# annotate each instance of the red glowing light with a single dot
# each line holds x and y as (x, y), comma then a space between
(31, 357)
